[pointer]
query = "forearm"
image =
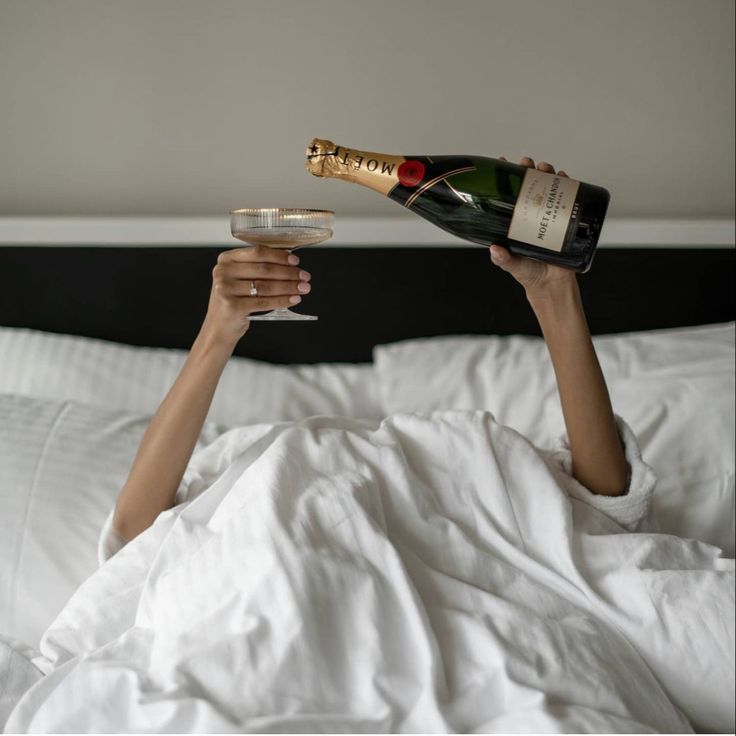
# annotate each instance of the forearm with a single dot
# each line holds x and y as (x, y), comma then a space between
(167, 445)
(598, 458)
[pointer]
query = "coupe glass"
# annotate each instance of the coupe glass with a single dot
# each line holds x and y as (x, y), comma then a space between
(277, 227)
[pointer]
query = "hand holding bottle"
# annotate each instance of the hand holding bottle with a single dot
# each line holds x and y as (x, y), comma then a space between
(535, 276)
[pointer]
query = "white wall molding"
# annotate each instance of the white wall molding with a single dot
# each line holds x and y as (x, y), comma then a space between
(349, 231)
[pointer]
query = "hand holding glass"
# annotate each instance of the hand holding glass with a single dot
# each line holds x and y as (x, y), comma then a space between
(277, 227)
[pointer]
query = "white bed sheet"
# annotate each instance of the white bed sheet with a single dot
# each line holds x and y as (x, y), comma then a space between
(675, 387)
(136, 379)
(62, 465)
(430, 574)
(72, 412)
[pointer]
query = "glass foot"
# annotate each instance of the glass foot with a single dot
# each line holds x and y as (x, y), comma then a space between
(282, 315)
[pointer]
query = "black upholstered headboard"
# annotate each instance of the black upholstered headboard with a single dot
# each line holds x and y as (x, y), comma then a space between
(364, 296)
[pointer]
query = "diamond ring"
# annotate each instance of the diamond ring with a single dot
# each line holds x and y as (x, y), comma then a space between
(253, 290)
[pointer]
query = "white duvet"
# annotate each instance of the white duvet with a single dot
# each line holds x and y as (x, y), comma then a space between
(429, 574)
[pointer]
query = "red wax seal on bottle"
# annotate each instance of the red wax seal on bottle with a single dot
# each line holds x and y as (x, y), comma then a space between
(411, 173)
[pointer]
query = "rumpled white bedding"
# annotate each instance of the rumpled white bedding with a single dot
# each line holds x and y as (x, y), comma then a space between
(429, 574)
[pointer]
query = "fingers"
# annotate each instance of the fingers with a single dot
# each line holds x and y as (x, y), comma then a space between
(248, 304)
(525, 270)
(542, 166)
(259, 254)
(517, 266)
(232, 270)
(501, 257)
(240, 288)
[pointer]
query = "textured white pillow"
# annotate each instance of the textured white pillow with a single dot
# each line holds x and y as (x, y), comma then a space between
(66, 367)
(62, 465)
(675, 388)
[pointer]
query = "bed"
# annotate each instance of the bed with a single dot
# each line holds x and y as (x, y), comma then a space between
(91, 338)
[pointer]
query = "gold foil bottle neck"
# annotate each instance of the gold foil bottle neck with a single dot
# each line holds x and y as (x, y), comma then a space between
(321, 157)
(377, 171)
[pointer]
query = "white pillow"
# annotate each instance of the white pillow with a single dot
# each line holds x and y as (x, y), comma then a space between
(675, 388)
(62, 465)
(66, 367)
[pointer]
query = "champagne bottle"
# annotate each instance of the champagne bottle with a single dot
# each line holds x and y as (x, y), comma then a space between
(482, 200)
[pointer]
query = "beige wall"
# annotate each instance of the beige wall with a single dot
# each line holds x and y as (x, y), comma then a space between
(116, 107)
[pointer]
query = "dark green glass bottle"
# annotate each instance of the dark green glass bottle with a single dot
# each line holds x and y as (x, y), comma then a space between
(482, 200)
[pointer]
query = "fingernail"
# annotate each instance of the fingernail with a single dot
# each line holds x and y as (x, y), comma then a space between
(304, 288)
(293, 260)
(304, 276)
(294, 299)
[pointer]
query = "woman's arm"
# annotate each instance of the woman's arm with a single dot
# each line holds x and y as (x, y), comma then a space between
(597, 454)
(598, 459)
(169, 440)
